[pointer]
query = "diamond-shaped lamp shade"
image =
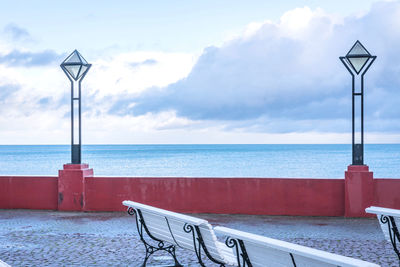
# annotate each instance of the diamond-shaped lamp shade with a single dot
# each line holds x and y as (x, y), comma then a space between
(75, 65)
(358, 57)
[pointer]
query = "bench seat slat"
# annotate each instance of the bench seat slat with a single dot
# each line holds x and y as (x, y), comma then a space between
(324, 258)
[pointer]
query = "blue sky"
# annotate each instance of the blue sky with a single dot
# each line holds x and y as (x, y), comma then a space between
(197, 71)
(170, 26)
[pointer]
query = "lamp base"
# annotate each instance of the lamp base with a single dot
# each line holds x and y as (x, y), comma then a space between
(71, 186)
(359, 190)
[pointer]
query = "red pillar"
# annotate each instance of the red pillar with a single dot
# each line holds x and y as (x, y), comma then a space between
(71, 186)
(359, 190)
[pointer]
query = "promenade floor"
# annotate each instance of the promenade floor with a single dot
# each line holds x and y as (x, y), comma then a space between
(50, 238)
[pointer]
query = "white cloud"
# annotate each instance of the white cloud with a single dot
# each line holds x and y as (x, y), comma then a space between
(286, 77)
(128, 73)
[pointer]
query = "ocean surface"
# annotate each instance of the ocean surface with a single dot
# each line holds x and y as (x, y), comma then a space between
(292, 161)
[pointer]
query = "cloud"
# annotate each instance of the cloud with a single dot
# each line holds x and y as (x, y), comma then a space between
(16, 33)
(17, 58)
(147, 62)
(7, 90)
(287, 75)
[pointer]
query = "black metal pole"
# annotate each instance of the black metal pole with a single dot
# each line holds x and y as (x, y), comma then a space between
(353, 138)
(358, 149)
(362, 120)
(75, 144)
(72, 124)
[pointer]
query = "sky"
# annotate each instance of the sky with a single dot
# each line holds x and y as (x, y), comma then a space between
(197, 72)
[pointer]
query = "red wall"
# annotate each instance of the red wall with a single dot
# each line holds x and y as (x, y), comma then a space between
(387, 193)
(25, 192)
(269, 196)
(275, 196)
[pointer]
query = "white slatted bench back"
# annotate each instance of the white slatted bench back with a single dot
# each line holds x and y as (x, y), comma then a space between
(167, 229)
(386, 212)
(217, 249)
(263, 252)
(169, 226)
(166, 225)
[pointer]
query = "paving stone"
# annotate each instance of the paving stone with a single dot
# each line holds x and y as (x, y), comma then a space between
(48, 238)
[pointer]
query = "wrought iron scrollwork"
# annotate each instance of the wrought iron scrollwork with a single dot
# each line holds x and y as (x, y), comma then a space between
(241, 253)
(393, 232)
(199, 245)
(150, 249)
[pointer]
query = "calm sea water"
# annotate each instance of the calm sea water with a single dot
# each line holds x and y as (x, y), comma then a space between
(296, 161)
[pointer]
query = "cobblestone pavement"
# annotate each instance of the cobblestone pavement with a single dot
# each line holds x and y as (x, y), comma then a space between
(50, 238)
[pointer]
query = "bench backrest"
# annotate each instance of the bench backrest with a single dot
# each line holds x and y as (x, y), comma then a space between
(263, 251)
(170, 226)
(385, 212)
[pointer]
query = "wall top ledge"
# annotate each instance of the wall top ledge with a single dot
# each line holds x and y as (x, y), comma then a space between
(70, 166)
(358, 168)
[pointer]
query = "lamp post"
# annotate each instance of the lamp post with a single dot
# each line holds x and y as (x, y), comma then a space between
(75, 67)
(357, 61)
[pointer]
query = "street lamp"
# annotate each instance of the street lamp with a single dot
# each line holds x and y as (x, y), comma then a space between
(358, 60)
(75, 67)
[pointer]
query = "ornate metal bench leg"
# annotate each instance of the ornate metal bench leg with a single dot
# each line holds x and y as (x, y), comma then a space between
(150, 250)
(171, 250)
(189, 228)
(241, 256)
(393, 233)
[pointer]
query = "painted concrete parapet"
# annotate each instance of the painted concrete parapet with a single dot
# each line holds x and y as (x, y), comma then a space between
(71, 186)
(273, 196)
(28, 192)
(359, 190)
(77, 189)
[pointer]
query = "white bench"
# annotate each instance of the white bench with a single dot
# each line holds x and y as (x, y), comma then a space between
(170, 230)
(259, 251)
(389, 219)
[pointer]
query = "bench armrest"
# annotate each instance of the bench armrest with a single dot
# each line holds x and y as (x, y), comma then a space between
(384, 211)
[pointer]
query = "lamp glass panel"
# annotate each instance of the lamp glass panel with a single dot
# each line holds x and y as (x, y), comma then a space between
(83, 70)
(358, 49)
(73, 70)
(73, 58)
(83, 60)
(358, 62)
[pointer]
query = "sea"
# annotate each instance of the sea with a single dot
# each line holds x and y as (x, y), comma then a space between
(269, 161)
